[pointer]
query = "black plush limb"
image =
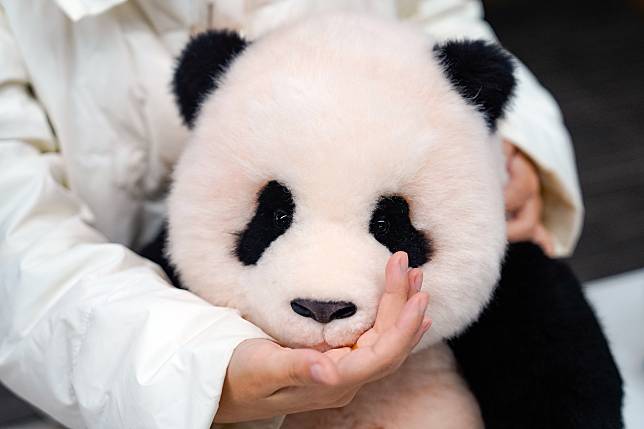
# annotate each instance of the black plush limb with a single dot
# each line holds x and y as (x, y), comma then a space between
(537, 357)
(155, 252)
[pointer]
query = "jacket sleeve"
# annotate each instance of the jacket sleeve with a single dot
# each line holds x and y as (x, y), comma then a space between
(533, 122)
(90, 332)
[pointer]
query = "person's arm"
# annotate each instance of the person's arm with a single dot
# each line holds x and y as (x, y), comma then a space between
(533, 123)
(91, 333)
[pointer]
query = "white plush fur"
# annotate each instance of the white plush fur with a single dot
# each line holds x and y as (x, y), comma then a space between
(340, 109)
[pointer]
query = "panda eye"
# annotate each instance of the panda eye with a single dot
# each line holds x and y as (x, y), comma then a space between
(391, 226)
(281, 218)
(273, 217)
(381, 226)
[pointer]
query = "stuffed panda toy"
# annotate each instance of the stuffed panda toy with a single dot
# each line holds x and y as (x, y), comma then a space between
(322, 148)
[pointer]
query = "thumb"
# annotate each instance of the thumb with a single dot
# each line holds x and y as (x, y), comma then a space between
(300, 367)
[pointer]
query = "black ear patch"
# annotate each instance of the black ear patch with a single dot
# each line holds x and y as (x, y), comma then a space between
(391, 226)
(204, 59)
(482, 72)
(273, 217)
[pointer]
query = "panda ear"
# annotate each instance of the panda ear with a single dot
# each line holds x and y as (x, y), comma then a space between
(482, 72)
(199, 67)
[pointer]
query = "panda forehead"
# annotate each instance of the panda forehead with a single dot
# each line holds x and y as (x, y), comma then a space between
(327, 68)
(332, 119)
(326, 151)
(366, 145)
(361, 90)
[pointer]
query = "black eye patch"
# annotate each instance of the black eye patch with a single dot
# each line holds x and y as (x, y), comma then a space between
(391, 226)
(273, 217)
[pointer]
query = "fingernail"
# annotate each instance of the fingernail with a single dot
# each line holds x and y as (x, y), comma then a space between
(402, 260)
(418, 281)
(426, 323)
(317, 373)
(422, 304)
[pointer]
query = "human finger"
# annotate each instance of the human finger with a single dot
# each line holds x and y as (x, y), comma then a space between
(396, 290)
(424, 327)
(522, 185)
(509, 150)
(544, 239)
(299, 367)
(522, 226)
(394, 345)
(336, 354)
(370, 362)
(415, 278)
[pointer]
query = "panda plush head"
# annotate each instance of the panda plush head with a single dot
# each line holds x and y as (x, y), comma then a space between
(321, 149)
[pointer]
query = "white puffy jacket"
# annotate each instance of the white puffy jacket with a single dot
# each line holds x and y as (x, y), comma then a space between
(89, 332)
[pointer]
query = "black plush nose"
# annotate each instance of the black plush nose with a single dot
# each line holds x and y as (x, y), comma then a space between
(323, 311)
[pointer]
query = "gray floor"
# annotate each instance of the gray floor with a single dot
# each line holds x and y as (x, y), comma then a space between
(619, 304)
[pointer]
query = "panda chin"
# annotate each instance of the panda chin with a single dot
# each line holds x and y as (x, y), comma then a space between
(321, 342)
(328, 345)
(323, 346)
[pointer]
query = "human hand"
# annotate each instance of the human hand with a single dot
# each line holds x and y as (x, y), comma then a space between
(523, 201)
(265, 379)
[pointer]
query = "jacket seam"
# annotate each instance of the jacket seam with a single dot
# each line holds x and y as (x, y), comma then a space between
(76, 352)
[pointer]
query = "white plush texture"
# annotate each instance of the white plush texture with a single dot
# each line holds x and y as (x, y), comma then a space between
(340, 109)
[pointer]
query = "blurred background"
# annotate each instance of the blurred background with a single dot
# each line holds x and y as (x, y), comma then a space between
(590, 55)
